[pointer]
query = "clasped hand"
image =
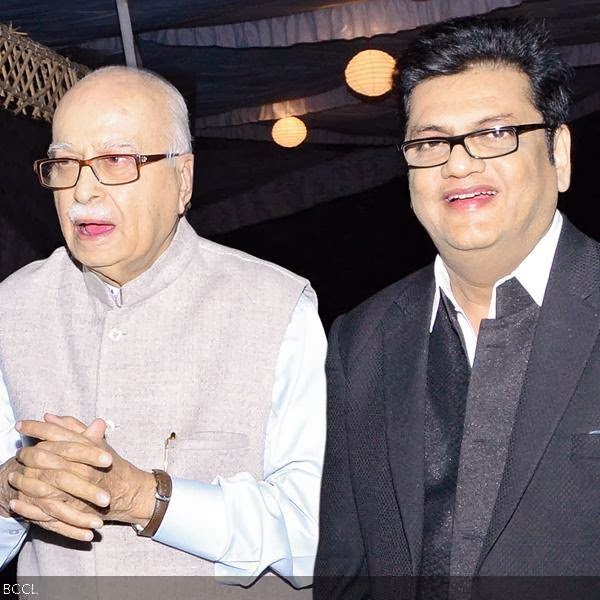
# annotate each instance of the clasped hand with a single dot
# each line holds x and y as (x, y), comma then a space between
(72, 480)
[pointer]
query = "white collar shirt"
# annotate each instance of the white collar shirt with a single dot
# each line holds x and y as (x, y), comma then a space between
(532, 274)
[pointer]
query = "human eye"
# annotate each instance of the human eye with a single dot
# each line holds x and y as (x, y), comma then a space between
(115, 160)
(496, 139)
(498, 133)
(427, 146)
(62, 164)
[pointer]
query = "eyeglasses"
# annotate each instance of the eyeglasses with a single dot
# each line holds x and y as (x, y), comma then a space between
(485, 143)
(109, 169)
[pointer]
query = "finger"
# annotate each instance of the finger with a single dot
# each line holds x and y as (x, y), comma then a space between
(65, 421)
(37, 457)
(96, 430)
(34, 488)
(79, 488)
(55, 510)
(55, 484)
(68, 514)
(23, 509)
(75, 533)
(48, 431)
(28, 511)
(59, 455)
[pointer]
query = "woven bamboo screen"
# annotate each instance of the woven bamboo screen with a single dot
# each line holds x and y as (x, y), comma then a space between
(33, 78)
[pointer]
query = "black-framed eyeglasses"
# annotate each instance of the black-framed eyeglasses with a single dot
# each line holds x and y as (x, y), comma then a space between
(109, 169)
(483, 143)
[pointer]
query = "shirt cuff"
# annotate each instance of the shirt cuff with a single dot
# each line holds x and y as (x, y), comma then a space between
(196, 520)
(12, 535)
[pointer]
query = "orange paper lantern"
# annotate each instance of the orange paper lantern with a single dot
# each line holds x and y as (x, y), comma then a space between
(289, 132)
(370, 72)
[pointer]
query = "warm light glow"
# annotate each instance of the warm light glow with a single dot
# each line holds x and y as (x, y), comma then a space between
(289, 132)
(370, 72)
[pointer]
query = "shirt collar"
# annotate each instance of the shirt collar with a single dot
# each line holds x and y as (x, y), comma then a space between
(533, 272)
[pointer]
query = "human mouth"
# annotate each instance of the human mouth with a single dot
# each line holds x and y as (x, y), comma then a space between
(469, 198)
(91, 222)
(93, 230)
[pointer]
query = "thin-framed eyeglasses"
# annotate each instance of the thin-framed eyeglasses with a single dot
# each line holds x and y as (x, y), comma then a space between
(109, 169)
(483, 143)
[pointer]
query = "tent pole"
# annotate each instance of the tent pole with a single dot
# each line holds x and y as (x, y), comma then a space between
(131, 59)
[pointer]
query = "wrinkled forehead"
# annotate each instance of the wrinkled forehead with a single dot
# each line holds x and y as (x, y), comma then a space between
(111, 111)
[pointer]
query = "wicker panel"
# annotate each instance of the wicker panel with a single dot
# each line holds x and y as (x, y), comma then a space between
(33, 78)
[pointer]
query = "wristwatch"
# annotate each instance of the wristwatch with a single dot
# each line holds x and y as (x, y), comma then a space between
(162, 497)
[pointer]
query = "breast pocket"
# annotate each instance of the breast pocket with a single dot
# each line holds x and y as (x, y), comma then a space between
(204, 455)
(585, 446)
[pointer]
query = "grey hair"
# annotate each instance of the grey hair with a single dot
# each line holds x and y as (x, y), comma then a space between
(180, 134)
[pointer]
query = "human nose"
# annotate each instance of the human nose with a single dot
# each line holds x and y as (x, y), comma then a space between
(87, 187)
(460, 163)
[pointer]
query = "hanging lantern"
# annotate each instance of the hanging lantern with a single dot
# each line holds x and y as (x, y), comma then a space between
(370, 72)
(289, 132)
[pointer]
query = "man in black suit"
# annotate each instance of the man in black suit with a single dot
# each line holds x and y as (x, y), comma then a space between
(464, 400)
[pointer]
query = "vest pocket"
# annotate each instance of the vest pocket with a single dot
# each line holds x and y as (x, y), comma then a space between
(206, 454)
(210, 440)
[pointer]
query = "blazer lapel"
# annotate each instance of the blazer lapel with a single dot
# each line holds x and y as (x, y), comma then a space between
(405, 346)
(565, 334)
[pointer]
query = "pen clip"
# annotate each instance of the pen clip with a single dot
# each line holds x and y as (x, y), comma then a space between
(172, 436)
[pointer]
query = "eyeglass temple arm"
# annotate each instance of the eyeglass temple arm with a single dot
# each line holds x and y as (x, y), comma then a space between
(146, 159)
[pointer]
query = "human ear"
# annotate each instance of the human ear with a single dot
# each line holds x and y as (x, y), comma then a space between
(562, 157)
(185, 174)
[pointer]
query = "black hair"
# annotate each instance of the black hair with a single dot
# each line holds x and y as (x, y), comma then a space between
(454, 46)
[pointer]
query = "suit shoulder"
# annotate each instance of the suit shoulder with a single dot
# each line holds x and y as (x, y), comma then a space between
(360, 323)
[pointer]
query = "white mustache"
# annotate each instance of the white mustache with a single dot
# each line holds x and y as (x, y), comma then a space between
(81, 213)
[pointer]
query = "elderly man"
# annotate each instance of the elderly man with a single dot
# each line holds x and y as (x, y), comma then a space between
(464, 415)
(206, 365)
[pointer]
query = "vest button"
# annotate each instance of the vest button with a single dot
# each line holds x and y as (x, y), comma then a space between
(115, 334)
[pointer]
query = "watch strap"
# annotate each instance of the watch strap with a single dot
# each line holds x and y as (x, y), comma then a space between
(164, 487)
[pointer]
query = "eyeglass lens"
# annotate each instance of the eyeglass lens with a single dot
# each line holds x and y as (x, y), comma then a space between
(483, 144)
(109, 169)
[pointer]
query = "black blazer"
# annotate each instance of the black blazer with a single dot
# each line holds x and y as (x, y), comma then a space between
(546, 520)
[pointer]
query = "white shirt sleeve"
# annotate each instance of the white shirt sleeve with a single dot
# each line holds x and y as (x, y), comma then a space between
(246, 526)
(12, 532)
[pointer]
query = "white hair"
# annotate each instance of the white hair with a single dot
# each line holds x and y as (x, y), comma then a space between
(180, 135)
